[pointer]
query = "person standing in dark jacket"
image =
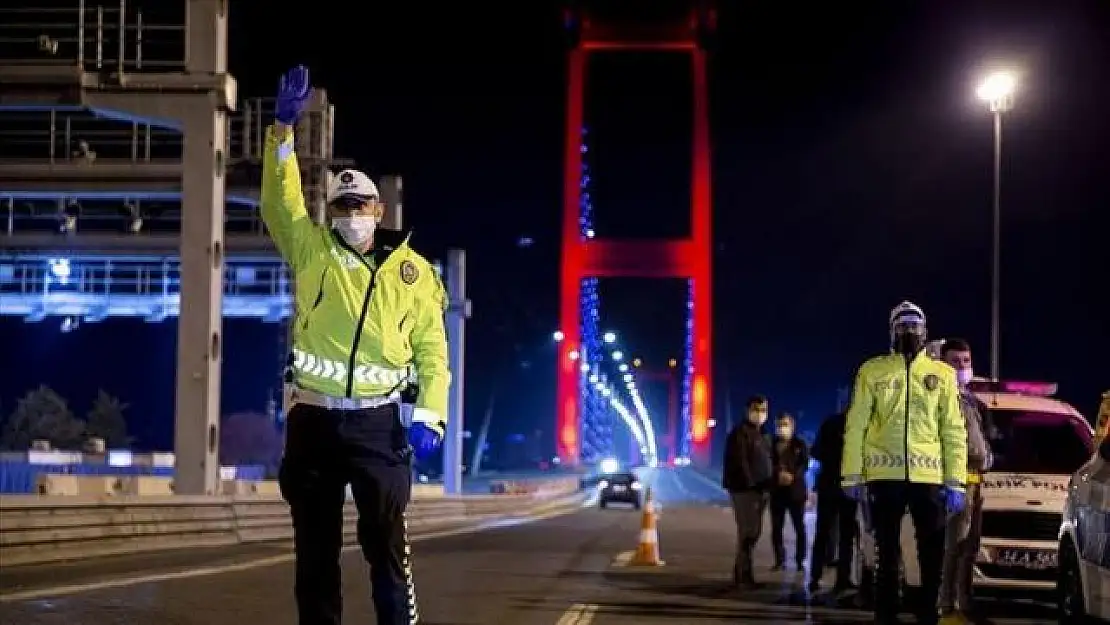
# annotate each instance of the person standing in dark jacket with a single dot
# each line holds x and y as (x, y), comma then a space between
(964, 528)
(747, 477)
(836, 514)
(790, 459)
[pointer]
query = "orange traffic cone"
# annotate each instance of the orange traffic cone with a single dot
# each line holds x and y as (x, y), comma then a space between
(647, 552)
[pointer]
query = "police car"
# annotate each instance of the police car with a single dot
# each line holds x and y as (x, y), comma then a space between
(1038, 443)
(1083, 588)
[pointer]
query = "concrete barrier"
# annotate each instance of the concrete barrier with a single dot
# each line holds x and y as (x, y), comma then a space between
(528, 487)
(38, 529)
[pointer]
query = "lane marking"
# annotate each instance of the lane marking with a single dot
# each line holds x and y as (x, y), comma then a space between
(74, 589)
(623, 558)
(681, 487)
(578, 614)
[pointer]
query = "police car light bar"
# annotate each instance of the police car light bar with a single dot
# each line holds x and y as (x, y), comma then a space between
(1041, 389)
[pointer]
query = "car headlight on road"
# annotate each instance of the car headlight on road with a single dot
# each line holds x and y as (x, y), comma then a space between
(637, 486)
(603, 484)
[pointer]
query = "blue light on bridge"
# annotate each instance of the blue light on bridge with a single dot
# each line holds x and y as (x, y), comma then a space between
(687, 375)
(60, 269)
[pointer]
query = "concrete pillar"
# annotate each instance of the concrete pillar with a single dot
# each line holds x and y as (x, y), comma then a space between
(206, 36)
(458, 310)
(199, 340)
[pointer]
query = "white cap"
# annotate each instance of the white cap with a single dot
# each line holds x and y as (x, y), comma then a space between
(907, 311)
(351, 182)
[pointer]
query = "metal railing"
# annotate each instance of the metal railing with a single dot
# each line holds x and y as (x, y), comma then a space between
(67, 135)
(81, 135)
(37, 274)
(92, 287)
(118, 36)
(135, 216)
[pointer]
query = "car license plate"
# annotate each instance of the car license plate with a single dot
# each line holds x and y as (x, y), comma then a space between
(618, 488)
(1034, 559)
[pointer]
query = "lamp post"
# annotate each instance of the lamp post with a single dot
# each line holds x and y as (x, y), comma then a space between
(997, 90)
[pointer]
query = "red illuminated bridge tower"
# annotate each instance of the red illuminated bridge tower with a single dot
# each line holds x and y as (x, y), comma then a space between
(585, 257)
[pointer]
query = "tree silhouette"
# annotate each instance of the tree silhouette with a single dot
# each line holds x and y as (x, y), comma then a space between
(42, 414)
(250, 438)
(105, 420)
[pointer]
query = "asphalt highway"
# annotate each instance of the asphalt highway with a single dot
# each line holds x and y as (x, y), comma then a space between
(567, 570)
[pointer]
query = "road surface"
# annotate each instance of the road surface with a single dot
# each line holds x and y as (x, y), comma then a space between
(569, 570)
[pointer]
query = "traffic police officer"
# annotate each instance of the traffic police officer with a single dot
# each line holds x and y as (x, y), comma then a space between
(905, 446)
(368, 310)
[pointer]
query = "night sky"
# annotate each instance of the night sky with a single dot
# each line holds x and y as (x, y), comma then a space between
(852, 170)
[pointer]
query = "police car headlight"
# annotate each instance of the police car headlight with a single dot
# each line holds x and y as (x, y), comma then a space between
(603, 484)
(637, 486)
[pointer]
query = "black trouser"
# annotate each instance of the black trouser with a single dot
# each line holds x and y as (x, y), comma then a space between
(889, 500)
(836, 514)
(747, 510)
(325, 450)
(781, 506)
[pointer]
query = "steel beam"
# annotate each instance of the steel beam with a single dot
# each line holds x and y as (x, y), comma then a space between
(458, 311)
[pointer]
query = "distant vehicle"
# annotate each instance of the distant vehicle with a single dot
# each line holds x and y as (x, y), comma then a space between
(1038, 443)
(1084, 572)
(620, 487)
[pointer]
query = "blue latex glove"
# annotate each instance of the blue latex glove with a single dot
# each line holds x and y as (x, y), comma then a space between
(424, 440)
(954, 501)
(854, 492)
(292, 95)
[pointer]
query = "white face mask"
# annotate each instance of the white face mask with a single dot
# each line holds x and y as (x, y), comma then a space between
(964, 375)
(357, 230)
(757, 417)
(786, 432)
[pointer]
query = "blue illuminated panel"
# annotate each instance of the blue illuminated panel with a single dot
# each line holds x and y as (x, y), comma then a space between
(96, 286)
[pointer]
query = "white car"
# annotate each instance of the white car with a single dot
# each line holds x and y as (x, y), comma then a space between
(1084, 574)
(1038, 443)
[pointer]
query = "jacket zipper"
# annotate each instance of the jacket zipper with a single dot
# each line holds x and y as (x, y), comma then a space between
(906, 421)
(320, 293)
(361, 319)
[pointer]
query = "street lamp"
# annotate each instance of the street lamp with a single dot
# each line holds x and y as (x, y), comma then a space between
(997, 90)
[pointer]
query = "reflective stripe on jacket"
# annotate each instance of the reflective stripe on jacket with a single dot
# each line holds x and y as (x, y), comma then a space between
(905, 423)
(358, 324)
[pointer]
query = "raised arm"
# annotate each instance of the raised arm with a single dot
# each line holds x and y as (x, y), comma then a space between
(282, 206)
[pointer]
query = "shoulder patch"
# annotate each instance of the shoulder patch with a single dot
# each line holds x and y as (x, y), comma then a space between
(931, 382)
(409, 272)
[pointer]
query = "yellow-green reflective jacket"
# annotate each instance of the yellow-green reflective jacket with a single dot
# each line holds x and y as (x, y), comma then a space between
(905, 423)
(358, 329)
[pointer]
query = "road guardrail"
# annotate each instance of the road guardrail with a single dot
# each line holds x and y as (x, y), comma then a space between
(37, 529)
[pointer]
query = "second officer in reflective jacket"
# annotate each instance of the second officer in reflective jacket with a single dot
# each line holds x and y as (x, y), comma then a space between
(905, 446)
(368, 311)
